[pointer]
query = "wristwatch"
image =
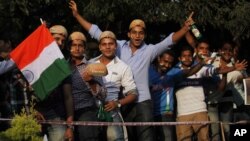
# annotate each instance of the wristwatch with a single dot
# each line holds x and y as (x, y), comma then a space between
(118, 104)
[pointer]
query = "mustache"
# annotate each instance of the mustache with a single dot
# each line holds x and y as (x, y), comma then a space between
(161, 64)
(184, 59)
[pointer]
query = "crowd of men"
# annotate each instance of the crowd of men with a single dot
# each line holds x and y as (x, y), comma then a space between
(143, 84)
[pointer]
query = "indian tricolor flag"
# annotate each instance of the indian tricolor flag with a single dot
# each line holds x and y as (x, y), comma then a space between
(41, 62)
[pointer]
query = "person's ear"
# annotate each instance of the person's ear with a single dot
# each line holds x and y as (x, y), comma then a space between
(99, 47)
(129, 35)
(179, 58)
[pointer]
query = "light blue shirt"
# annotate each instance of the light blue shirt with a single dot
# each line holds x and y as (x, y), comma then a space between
(139, 61)
(6, 65)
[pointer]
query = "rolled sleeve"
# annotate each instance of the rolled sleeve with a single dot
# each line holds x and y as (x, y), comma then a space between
(128, 83)
(95, 32)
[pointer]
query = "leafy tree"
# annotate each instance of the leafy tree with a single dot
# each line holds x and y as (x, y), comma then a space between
(223, 18)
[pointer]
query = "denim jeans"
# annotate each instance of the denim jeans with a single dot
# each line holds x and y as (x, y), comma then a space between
(5, 112)
(226, 115)
(87, 133)
(140, 112)
(213, 114)
(56, 132)
(115, 133)
(167, 132)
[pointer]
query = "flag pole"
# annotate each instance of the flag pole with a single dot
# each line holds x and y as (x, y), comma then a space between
(41, 20)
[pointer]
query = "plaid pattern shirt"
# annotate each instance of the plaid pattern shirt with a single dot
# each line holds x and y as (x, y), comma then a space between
(83, 96)
(18, 92)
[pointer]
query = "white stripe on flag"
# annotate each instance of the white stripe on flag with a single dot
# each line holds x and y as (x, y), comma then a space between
(33, 70)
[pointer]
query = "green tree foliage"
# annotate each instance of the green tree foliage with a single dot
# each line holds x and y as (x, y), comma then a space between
(20, 17)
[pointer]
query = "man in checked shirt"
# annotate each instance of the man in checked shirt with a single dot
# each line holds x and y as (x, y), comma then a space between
(84, 89)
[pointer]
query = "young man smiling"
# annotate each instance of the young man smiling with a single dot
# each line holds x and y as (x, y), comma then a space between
(138, 55)
(119, 76)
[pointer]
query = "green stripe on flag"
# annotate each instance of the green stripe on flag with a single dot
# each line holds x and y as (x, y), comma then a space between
(51, 78)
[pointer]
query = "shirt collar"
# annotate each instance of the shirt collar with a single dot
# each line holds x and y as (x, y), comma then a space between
(83, 61)
(114, 61)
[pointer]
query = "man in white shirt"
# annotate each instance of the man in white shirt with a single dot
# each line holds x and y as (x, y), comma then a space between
(119, 75)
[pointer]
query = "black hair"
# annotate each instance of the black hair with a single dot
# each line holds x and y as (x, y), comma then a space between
(168, 51)
(232, 43)
(187, 48)
(202, 41)
(69, 43)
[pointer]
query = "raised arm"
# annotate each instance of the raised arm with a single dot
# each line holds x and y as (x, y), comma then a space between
(191, 40)
(6, 65)
(238, 66)
(93, 29)
(182, 32)
(223, 83)
(83, 22)
(194, 69)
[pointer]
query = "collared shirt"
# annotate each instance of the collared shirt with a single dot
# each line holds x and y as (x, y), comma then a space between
(81, 92)
(119, 75)
(19, 93)
(139, 61)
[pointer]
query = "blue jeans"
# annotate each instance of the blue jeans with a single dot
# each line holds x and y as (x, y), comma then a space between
(226, 115)
(213, 114)
(140, 112)
(166, 132)
(115, 133)
(86, 133)
(56, 132)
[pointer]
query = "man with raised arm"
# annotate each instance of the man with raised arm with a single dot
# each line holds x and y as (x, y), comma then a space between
(138, 55)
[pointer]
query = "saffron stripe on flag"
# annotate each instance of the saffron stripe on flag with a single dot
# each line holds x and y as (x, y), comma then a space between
(31, 47)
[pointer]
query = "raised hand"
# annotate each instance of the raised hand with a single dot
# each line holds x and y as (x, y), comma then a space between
(86, 75)
(241, 65)
(189, 21)
(73, 7)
